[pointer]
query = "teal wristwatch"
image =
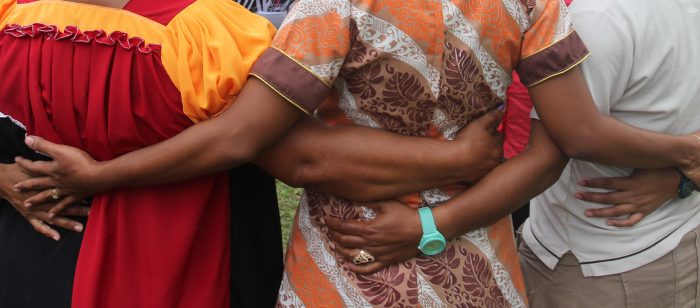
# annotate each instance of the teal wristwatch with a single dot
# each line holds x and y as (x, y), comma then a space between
(432, 242)
(686, 187)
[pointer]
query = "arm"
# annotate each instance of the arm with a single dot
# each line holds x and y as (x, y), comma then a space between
(367, 164)
(257, 118)
(395, 233)
(328, 159)
(599, 138)
(504, 189)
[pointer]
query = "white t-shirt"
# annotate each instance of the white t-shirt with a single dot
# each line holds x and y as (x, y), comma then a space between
(644, 69)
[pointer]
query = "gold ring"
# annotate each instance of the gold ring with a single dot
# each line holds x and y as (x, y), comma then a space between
(362, 258)
(54, 194)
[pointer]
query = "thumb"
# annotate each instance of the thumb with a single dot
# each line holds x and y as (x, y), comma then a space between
(490, 119)
(41, 145)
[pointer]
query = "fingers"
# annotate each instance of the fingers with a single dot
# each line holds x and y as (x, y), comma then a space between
(627, 222)
(39, 198)
(611, 198)
(43, 228)
(67, 223)
(349, 241)
(367, 268)
(490, 120)
(35, 167)
(41, 145)
(347, 253)
(61, 205)
(37, 183)
(611, 183)
(347, 227)
(77, 210)
(613, 211)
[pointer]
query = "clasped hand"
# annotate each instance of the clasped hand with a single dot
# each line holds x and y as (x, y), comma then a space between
(38, 215)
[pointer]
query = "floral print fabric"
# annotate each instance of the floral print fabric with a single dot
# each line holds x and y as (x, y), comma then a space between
(420, 68)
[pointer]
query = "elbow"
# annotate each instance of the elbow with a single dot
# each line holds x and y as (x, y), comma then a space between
(580, 144)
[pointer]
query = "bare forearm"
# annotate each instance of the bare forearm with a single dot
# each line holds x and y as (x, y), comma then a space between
(566, 109)
(362, 163)
(504, 189)
(258, 118)
(367, 164)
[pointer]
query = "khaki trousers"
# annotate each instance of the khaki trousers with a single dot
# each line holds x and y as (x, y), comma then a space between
(671, 281)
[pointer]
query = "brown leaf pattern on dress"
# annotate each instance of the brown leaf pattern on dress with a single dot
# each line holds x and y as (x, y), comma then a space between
(529, 5)
(439, 268)
(465, 94)
(399, 100)
(478, 280)
(380, 286)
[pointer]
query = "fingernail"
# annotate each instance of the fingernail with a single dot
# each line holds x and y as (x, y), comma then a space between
(78, 228)
(27, 204)
(29, 140)
(588, 213)
(583, 182)
(88, 212)
(51, 215)
(56, 238)
(578, 195)
(609, 223)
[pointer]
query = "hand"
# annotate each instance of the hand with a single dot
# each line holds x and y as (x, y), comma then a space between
(483, 146)
(37, 216)
(391, 237)
(72, 172)
(636, 196)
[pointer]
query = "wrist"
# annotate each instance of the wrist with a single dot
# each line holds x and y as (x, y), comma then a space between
(444, 220)
(690, 159)
(105, 176)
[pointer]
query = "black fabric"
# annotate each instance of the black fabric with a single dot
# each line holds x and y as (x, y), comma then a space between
(521, 215)
(36, 271)
(256, 239)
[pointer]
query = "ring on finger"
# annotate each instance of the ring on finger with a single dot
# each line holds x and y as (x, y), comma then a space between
(362, 258)
(55, 194)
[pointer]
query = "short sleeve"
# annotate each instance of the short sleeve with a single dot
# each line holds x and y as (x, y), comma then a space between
(208, 51)
(609, 67)
(6, 7)
(308, 52)
(550, 46)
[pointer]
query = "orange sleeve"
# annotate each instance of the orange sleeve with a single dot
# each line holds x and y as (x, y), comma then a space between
(308, 52)
(6, 6)
(208, 50)
(550, 46)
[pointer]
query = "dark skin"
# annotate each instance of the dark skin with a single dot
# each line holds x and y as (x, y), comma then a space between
(37, 216)
(395, 233)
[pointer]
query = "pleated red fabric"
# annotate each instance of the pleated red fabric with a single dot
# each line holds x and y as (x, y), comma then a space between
(108, 94)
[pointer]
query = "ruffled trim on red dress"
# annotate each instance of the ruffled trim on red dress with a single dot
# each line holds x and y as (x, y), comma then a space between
(75, 35)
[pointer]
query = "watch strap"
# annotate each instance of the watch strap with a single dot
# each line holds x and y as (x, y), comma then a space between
(427, 221)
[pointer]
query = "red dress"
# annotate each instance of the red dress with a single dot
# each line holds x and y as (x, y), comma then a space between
(110, 81)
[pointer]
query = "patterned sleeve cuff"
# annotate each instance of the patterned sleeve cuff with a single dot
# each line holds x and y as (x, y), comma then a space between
(291, 80)
(552, 61)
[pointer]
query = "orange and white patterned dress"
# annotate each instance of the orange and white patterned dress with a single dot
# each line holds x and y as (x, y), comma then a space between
(413, 67)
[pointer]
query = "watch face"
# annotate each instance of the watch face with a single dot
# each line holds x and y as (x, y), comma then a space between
(433, 246)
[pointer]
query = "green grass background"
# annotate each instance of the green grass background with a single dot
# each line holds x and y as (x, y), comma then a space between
(288, 198)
